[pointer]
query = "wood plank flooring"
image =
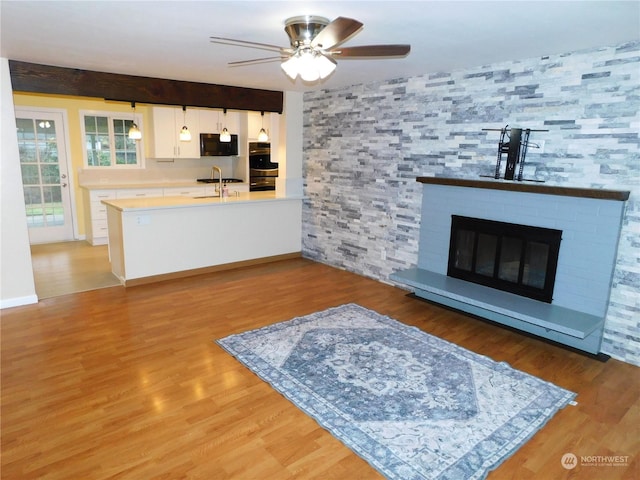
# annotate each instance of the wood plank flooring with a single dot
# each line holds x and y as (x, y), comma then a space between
(70, 267)
(128, 384)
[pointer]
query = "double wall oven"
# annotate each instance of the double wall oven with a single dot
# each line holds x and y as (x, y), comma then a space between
(262, 171)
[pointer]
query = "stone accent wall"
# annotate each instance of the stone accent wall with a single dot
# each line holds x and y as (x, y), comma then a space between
(365, 145)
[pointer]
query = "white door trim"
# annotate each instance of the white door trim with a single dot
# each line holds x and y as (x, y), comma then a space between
(19, 109)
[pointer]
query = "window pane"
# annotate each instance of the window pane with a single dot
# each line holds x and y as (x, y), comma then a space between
(90, 124)
(102, 124)
(118, 126)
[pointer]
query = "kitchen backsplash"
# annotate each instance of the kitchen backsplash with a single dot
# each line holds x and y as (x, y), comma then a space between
(180, 170)
(365, 145)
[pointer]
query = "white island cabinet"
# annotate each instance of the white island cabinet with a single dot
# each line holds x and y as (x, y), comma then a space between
(152, 239)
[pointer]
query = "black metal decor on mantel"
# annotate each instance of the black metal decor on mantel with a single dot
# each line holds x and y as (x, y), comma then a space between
(516, 150)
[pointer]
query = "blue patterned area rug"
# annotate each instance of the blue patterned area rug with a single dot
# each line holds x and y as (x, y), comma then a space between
(411, 404)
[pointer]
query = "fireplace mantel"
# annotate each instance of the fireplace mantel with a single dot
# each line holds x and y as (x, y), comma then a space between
(602, 194)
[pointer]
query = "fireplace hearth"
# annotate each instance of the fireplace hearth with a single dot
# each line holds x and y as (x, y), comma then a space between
(515, 258)
(568, 289)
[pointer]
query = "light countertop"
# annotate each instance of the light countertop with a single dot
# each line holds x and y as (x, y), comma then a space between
(163, 203)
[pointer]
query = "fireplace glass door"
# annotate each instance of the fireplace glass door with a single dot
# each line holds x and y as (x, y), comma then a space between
(515, 258)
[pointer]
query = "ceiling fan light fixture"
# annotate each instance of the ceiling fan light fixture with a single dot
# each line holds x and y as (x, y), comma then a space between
(309, 64)
(309, 67)
(291, 67)
(325, 65)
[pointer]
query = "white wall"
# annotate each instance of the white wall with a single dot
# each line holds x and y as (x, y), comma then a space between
(16, 272)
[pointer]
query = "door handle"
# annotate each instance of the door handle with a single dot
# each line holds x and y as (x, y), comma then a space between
(64, 185)
(64, 175)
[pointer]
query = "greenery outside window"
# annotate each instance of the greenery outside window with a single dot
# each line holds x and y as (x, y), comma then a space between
(106, 140)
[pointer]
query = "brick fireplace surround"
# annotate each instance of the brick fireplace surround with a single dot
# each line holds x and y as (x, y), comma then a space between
(590, 220)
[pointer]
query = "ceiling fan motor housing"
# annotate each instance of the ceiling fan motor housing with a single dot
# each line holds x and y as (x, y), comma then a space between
(302, 29)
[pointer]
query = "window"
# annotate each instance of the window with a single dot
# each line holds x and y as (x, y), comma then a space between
(107, 142)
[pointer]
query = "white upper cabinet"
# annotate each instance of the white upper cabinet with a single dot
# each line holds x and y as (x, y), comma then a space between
(166, 123)
(214, 120)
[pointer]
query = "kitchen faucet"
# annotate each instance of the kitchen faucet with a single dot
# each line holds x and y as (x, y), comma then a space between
(219, 170)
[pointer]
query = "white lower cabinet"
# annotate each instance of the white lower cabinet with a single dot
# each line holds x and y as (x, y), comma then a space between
(95, 215)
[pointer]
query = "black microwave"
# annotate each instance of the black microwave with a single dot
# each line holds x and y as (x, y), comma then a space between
(211, 146)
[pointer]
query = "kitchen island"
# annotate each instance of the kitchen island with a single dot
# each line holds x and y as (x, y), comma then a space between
(152, 239)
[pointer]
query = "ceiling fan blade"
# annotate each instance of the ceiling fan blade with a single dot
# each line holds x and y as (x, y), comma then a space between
(256, 61)
(336, 33)
(368, 51)
(244, 43)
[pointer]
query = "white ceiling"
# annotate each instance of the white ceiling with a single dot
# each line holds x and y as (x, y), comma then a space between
(170, 39)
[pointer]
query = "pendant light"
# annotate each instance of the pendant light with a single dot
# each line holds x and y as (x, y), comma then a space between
(262, 136)
(185, 134)
(134, 131)
(225, 136)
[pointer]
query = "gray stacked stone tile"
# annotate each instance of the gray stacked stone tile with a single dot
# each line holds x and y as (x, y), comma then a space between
(365, 145)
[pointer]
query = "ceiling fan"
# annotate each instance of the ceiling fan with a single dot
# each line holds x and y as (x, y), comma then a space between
(315, 44)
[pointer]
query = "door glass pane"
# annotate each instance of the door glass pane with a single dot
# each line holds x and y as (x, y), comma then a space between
(50, 174)
(30, 174)
(535, 266)
(54, 212)
(464, 249)
(510, 253)
(486, 255)
(26, 140)
(33, 203)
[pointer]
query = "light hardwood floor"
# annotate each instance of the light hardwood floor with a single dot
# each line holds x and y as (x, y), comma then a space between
(70, 267)
(129, 384)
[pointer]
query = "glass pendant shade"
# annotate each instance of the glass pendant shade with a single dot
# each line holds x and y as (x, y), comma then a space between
(225, 136)
(185, 134)
(262, 135)
(134, 132)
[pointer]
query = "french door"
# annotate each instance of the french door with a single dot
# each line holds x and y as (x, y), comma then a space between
(45, 175)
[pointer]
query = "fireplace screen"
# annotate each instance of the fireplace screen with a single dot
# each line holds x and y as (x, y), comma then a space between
(515, 258)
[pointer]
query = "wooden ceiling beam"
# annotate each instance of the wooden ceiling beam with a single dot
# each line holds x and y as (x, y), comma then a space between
(35, 78)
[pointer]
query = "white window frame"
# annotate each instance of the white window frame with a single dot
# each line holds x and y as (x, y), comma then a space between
(112, 115)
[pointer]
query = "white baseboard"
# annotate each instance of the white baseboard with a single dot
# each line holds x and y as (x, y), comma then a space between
(18, 301)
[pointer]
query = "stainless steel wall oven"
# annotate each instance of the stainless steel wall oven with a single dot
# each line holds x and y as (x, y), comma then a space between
(262, 171)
